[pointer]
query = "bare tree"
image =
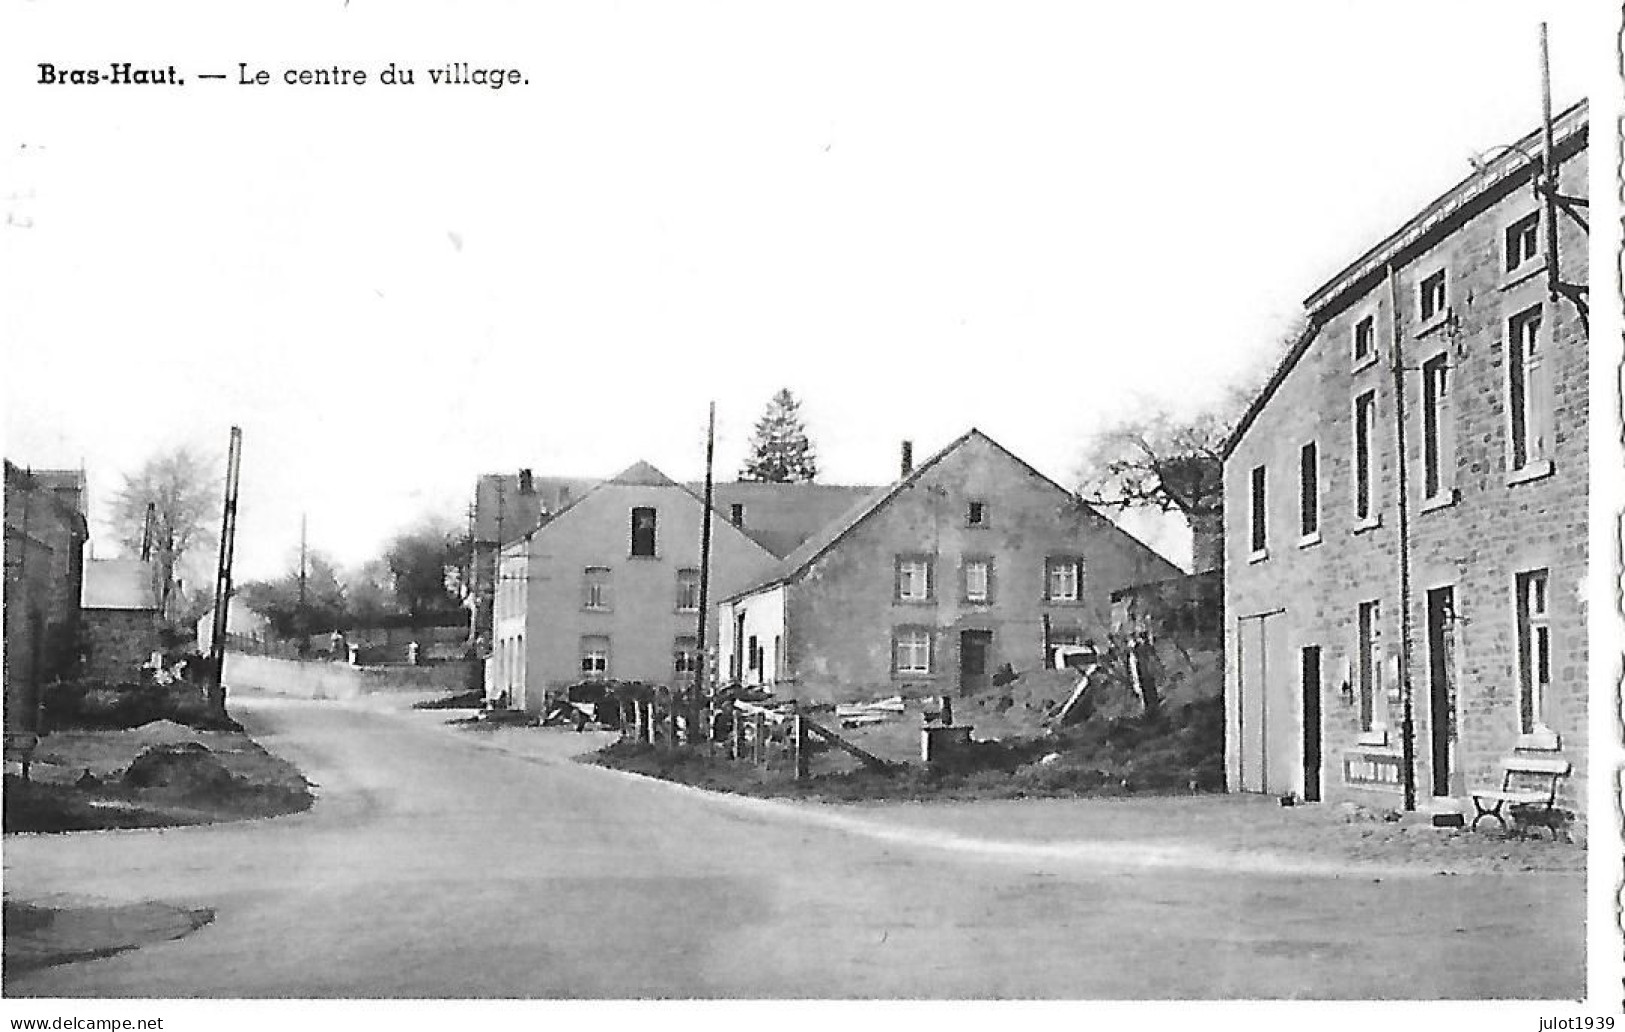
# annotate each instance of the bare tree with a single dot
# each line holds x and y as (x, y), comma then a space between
(183, 488)
(1174, 462)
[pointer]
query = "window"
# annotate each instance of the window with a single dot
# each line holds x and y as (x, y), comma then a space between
(1259, 533)
(1309, 490)
(1527, 394)
(914, 579)
(736, 514)
(1365, 418)
(688, 591)
(976, 514)
(1432, 298)
(1365, 340)
(1437, 431)
(1522, 241)
(595, 588)
(978, 580)
(754, 652)
(911, 651)
(684, 659)
(1063, 579)
(594, 658)
(1534, 651)
(643, 532)
(1370, 657)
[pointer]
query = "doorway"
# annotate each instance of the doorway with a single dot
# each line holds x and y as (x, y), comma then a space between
(1311, 723)
(974, 650)
(1441, 605)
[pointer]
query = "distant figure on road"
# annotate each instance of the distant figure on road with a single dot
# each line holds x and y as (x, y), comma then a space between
(336, 647)
(412, 653)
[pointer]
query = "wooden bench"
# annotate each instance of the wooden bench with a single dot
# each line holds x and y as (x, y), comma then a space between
(1537, 804)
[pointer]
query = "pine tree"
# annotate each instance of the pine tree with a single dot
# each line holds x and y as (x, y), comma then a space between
(780, 452)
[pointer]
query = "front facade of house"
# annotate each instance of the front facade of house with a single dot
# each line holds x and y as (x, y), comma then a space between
(122, 616)
(608, 589)
(1334, 603)
(933, 584)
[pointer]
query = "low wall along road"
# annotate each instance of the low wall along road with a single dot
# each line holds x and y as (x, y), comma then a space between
(314, 679)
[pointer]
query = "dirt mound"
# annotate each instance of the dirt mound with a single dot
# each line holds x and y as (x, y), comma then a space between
(187, 769)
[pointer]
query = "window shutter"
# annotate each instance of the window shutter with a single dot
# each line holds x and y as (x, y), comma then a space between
(1447, 432)
(930, 652)
(931, 578)
(897, 586)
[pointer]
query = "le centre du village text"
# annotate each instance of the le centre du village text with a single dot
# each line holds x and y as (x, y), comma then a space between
(128, 73)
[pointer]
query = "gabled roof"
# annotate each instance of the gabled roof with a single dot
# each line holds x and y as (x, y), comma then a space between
(641, 474)
(780, 517)
(814, 548)
(1504, 171)
(119, 584)
(501, 510)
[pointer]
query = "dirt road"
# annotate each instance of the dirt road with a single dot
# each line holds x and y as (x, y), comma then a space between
(436, 866)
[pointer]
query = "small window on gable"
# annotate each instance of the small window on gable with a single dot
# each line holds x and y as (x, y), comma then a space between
(643, 531)
(915, 578)
(976, 513)
(1432, 300)
(1309, 490)
(688, 591)
(1522, 241)
(1365, 340)
(1063, 579)
(1258, 513)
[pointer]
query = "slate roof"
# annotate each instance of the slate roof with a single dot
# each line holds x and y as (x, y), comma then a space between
(119, 584)
(810, 550)
(780, 517)
(497, 499)
(1574, 122)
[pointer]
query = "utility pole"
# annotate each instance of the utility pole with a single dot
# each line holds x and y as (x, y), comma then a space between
(1548, 172)
(705, 552)
(222, 582)
(304, 620)
(1407, 719)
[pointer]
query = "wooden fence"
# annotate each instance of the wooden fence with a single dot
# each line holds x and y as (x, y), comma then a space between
(752, 731)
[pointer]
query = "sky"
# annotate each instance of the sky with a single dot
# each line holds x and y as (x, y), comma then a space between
(1030, 218)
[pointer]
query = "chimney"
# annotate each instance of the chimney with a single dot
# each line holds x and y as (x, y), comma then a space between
(526, 484)
(908, 457)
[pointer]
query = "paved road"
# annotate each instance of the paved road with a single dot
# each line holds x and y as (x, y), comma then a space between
(437, 866)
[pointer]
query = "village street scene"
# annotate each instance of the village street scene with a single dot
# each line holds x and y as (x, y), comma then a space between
(480, 651)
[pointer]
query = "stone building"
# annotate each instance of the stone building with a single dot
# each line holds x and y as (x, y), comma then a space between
(122, 618)
(968, 562)
(45, 535)
(1348, 590)
(608, 588)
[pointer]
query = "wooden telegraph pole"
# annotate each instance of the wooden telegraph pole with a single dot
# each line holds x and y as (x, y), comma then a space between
(222, 581)
(705, 554)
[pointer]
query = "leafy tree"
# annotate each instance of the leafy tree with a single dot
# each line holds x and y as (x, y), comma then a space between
(425, 564)
(183, 487)
(780, 452)
(278, 600)
(370, 592)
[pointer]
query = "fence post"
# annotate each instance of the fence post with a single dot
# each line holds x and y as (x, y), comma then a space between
(761, 740)
(736, 729)
(800, 746)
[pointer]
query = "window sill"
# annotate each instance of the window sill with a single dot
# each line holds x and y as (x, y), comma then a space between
(976, 601)
(1522, 274)
(1376, 736)
(1369, 523)
(597, 609)
(1063, 601)
(1309, 540)
(644, 558)
(913, 601)
(1440, 501)
(1541, 739)
(1362, 364)
(1258, 556)
(1537, 470)
(1428, 327)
